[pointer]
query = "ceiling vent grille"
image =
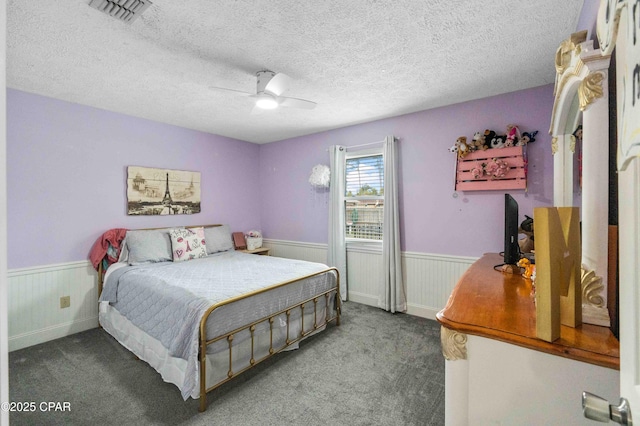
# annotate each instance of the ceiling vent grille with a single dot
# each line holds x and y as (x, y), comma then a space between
(123, 10)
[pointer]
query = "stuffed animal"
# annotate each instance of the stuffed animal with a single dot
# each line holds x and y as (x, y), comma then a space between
(528, 268)
(488, 136)
(513, 135)
(498, 141)
(527, 138)
(463, 146)
(479, 142)
(526, 243)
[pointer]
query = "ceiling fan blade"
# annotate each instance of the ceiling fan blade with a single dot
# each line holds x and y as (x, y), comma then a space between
(237, 92)
(278, 84)
(296, 103)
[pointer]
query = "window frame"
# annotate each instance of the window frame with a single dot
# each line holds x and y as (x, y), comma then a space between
(360, 153)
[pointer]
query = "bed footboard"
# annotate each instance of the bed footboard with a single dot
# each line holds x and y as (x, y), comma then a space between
(330, 315)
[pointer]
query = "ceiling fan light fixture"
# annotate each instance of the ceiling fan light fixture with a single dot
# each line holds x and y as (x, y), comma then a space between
(266, 101)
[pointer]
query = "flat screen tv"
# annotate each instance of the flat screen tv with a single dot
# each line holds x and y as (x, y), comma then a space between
(511, 248)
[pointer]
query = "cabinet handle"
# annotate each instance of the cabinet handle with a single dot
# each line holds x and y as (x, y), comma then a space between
(599, 409)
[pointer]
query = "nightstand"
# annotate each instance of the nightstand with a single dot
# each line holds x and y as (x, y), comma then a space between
(261, 251)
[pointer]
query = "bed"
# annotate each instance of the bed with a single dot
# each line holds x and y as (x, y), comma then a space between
(201, 313)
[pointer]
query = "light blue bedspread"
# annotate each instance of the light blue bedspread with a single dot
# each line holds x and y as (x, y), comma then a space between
(168, 299)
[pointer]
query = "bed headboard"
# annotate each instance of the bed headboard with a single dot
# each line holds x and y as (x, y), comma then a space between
(101, 270)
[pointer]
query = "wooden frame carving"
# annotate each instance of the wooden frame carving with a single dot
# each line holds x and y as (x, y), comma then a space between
(581, 94)
(454, 344)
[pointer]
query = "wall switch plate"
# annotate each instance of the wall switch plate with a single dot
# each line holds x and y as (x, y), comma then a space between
(65, 302)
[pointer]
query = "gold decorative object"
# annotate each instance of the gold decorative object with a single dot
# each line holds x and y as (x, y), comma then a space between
(566, 50)
(554, 145)
(590, 89)
(592, 287)
(558, 254)
(454, 344)
(563, 54)
(572, 144)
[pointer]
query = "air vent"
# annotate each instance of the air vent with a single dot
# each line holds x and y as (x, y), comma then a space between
(123, 10)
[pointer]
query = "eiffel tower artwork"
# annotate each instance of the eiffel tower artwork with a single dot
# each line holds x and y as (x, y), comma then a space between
(166, 201)
(162, 192)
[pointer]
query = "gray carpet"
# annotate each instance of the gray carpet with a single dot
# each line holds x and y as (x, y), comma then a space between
(376, 368)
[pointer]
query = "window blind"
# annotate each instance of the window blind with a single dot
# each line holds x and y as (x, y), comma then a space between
(364, 196)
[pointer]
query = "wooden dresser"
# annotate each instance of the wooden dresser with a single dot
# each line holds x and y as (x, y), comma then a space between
(497, 371)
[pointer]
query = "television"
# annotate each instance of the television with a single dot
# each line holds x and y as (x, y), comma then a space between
(511, 247)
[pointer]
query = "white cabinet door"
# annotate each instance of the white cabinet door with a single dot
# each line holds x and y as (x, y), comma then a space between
(629, 221)
(628, 115)
(619, 27)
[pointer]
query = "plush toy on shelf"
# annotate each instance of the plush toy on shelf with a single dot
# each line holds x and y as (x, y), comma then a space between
(513, 135)
(498, 141)
(479, 142)
(527, 137)
(463, 146)
(488, 136)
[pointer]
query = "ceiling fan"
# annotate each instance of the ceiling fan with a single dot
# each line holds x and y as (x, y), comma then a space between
(270, 87)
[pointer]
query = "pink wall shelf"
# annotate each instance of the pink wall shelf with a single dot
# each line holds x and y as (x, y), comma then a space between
(468, 177)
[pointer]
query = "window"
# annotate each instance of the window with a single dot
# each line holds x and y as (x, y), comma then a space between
(364, 195)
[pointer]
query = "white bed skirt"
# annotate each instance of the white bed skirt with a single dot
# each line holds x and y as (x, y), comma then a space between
(173, 369)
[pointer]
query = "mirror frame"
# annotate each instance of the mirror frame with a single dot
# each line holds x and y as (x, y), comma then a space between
(581, 87)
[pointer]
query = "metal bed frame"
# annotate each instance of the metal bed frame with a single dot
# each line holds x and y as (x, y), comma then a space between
(204, 342)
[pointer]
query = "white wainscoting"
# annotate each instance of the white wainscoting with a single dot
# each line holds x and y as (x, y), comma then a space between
(35, 315)
(311, 252)
(429, 278)
(34, 296)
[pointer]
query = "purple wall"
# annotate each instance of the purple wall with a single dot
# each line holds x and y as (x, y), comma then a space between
(588, 19)
(432, 219)
(66, 176)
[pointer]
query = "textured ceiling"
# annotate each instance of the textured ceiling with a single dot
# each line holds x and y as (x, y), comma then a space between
(360, 60)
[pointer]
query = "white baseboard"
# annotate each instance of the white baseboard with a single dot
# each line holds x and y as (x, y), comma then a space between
(422, 311)
(412, 309)
(51, 333)
(365, 299)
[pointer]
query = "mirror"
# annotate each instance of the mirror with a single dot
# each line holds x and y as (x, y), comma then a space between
(581, 98)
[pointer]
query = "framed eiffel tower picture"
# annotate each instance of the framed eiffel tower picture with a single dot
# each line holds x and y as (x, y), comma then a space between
(162, 191)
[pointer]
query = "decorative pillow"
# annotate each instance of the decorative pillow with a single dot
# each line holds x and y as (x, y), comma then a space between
(218, 239)
(148, 246)
(187, 244)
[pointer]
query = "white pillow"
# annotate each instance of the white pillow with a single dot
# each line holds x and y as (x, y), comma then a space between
(187, 244)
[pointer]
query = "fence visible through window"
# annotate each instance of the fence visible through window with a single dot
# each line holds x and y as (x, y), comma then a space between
(364, 219)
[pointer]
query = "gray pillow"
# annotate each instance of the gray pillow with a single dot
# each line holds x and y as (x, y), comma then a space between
(149, 246)
(218, 238)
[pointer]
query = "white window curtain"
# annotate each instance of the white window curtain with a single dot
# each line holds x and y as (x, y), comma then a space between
(337, 250)
(392, 296)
